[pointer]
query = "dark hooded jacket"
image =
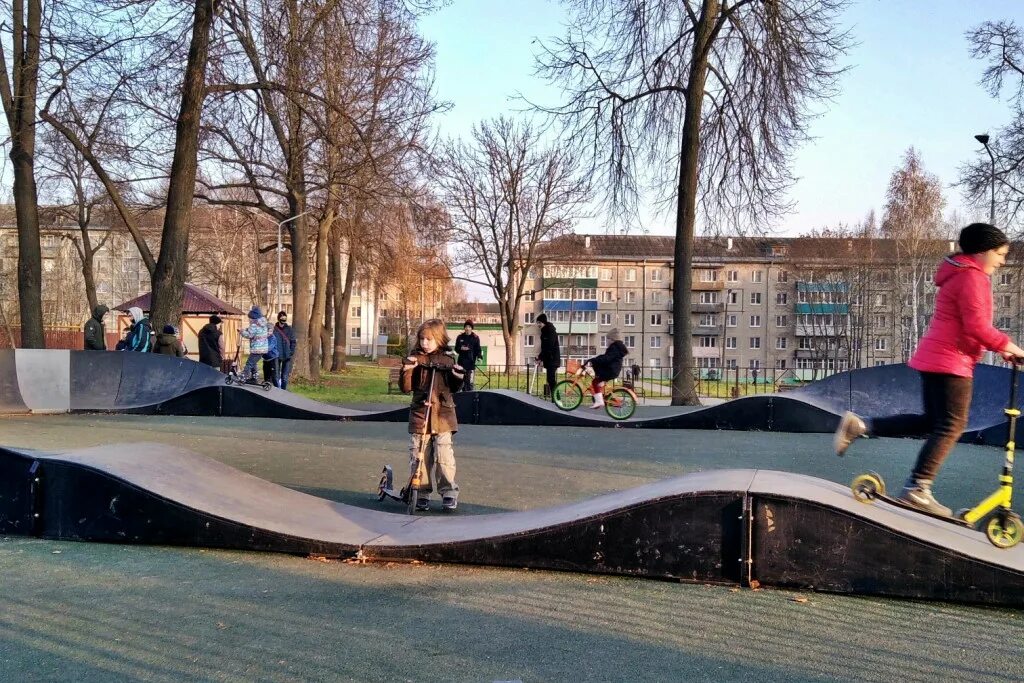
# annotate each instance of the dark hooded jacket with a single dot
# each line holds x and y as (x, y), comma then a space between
(446, 382)
(209, 346)
(95, 337)
(168, 344)
(608, 365)
(550, 355)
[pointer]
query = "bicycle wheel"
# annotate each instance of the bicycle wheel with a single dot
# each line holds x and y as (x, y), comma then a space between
(619, 404)
(568, 395)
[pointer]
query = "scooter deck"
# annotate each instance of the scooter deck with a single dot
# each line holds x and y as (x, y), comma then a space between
(907, 506)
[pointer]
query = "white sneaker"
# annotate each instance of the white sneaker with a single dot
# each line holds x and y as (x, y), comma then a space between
(850, 428)
(598, 401)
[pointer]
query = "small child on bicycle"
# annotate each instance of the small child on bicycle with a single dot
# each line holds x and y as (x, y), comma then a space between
(429, 360)
(607, 366)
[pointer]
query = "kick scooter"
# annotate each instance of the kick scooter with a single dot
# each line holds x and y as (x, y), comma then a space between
(234, 375)
(1002, 526)
(411, 492)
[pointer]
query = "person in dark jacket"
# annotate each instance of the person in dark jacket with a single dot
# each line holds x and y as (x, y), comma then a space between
(211, 344)
(285, 350)
(430, 359)
(467, 347)
(607, 366)
(550, 355)
(168, 344)
(95, 336)
(140, 336)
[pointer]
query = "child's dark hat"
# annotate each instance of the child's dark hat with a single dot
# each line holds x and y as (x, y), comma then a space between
(469, 323)
(542, 318)
(979, 237)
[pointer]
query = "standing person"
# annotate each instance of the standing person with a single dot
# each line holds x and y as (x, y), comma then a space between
(607, 366)
(140, 336)
(211, 344)
(550, 355)
(257, 333)
(95, 336)
(959, 333)
(168, 344)
(429, 359)
(286, 350)
(467, 346)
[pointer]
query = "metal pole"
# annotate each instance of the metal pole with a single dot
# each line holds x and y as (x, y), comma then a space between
(279, 247)
(992, 205)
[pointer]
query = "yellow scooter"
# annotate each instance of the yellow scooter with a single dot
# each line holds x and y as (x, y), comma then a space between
(1003, 526)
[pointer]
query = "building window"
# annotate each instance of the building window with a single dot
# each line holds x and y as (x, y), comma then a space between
(630, 274)
(655, 362)
(606, 318)
(780, 343)
(606, 296)
(782, 321)
(733, 276)
(530, 295)
(357, 311)
(629, 319)
(529, 341)
(780, 363)
(529, 318)
(708, 298)
(656, 342)
(630, 341)
(731, 363)
(655, 318)
(604, 341)
(755, 298)
(606, 274)
(1004, 322)
(707, 276)
(656, 275)
(755, 342)
(783, 276)
(781, 299)
(731, 320)
(881, 299)
(561, 340)
(734, 297)
(879, 363)
(707, 342)
(1006, 278)
(881, 344)
(879, 321)
(706, 320)
(757, 276)
(805, 344)
(755, 364)
(630, 297)
(357, 332)
(655, 297)
(730, 342)
(1005, 301)
(755, 321)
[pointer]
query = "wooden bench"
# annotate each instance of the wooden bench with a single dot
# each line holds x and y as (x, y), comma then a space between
(393, 380)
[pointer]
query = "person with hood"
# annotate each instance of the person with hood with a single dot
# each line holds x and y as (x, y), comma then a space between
(607, 366)
(467, 346)
(959, 333)
(168, 344)
(211, 343)
(258, 334)
(95, 336)
(140, 336)
(278, 370)
(550, 355)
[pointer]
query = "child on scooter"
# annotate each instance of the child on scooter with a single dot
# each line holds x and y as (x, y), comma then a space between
(258, 334)
(607, 366)
(959, 333)
(430, 357)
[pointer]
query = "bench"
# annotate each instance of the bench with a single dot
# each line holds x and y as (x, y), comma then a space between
(389, 362)
(393, 379)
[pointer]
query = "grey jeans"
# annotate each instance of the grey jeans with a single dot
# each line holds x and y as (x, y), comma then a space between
(439, 455)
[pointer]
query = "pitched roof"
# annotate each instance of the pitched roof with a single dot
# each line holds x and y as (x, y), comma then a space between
(196, 301)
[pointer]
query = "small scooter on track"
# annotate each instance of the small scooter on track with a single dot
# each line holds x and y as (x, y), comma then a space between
(1002, 526)
(235, 377)
(418, 479)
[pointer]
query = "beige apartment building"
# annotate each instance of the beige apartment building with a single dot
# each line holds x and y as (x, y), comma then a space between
(807, 305)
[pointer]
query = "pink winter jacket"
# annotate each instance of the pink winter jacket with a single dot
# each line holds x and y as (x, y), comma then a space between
(961, 329)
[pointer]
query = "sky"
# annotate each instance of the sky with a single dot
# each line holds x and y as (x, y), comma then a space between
(911, 83)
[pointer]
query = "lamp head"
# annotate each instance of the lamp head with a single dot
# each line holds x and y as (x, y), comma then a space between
(983, 138)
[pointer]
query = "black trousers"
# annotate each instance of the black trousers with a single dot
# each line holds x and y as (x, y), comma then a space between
(552, 373)
(947, 402)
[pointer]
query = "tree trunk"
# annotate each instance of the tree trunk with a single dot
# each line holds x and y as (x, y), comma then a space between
(316, 316)
(341, 335)
(171, 266)
(327, 334)
(683, 389)
(338, 350)
(375, 330)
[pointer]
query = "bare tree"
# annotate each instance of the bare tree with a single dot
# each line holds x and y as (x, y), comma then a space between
(702, 101)
(506, 193)
(19, 86)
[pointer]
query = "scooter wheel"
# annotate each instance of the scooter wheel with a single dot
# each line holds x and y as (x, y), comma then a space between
(414, 496)
(227, 380)
(266, 386)
(867, 487)
(1004, 529)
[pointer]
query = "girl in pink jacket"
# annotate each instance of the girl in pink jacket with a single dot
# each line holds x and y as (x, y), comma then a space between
(960, 332)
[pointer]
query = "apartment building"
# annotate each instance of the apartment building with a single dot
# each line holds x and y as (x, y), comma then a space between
(804, 304)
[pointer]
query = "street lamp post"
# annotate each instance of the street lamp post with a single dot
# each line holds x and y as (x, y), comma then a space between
(983, 139)
(279, 227)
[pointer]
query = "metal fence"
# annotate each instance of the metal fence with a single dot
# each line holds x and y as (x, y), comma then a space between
(656, 383)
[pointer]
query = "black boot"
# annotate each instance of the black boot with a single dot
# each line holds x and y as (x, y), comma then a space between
(918, 493)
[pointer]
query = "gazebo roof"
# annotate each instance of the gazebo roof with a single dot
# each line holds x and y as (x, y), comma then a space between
(196, 301)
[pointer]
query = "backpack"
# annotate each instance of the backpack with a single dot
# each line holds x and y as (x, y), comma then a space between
(272, 348)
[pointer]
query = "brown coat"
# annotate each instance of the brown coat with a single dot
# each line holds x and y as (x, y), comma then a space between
(447, 381)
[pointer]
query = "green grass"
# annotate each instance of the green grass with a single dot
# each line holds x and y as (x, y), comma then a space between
(359, 383)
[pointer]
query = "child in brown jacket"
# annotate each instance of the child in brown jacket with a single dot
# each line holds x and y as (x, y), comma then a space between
(430, 360)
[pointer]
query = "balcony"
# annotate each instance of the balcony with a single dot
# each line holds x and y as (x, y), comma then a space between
(715, 286)
(820, 331)
(575, 350)
(707, 331)
(806, 353)
(707, 308)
